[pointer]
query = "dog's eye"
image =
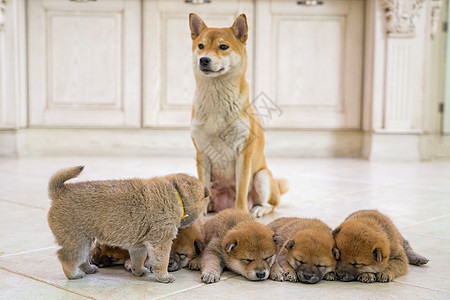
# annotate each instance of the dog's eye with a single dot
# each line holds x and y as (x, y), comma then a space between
(246, 261)
(321, 266)
(357, 264)
(223, 47)
(181, 255)
(300, 262)
(201, 46)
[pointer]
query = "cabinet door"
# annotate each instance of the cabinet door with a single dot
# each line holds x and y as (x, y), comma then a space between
(308, 62)
(169, 83)
(84, 63)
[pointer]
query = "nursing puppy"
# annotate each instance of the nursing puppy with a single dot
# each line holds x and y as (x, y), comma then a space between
(140, 215)
(305, 250)
(236, 241)
(225, 129)
(370, 248)
(185, 251)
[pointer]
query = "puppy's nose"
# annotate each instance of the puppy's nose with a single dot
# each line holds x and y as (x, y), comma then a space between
(204, 61)
(170, 264)
(307, 276)
(260, 274)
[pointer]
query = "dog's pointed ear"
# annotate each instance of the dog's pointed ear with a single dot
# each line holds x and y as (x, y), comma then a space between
(277, 238)
(240, 28)
(290, 245)
(199, 246)
(336, 253)
(378, 254)
(336, 231)
(196, 24)
(230, 246)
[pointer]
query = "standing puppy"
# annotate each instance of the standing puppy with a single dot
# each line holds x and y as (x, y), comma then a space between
(305, 250)
(139, 215)
(370, 248)
(236, 241)
(225, 129)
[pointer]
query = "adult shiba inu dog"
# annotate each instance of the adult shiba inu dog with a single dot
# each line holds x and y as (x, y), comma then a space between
(370, 248)
(226, 132)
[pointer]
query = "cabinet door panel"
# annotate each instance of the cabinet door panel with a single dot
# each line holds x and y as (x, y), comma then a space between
(169, 83)
(84, 63)
(308, 62)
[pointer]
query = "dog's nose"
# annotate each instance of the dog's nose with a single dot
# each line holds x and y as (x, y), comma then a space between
(170, 264)
(260, 274)
(204, 61)
(307, 276)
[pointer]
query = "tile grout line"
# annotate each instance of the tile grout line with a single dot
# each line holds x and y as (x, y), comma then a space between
(22, 204)
(423, 287)
(426, 221)
(47, 283)
(29, 251)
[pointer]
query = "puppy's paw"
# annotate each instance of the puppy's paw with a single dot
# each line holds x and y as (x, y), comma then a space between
(330, 276)
(416, 259)
(366, 277)
(259, 211)
(276, 273)
(210, 276)
(75, 274)
(195, 264)
(384, 277)
(139, 271)
(166, 278)
(88, 268)
(290, 275)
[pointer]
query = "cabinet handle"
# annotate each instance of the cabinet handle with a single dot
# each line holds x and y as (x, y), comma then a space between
(310, 2)
(197, 1)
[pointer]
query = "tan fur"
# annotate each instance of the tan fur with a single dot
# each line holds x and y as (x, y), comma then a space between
(185, 251)
(305, 250)
(370, 248)
(236, 241)
(140, 215)
(225, 129)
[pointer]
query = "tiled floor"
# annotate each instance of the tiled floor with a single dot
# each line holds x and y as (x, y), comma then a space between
(415, 195)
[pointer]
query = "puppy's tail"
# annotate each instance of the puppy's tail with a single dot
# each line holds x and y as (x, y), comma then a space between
(413, 257)
(56, 183)
(283, 185)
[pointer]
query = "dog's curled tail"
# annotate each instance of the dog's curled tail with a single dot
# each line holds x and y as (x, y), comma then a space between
(283, 185)
(56, 183)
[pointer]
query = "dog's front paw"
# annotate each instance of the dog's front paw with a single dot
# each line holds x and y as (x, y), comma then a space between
(367, 277)
(416, 259)
(195, 264)
(88, 268)
(276, 273)
(384, 277)
(75, 274)
(330, 276)
(166, 278)
(259, 211)
(290, 275)
(210, 276)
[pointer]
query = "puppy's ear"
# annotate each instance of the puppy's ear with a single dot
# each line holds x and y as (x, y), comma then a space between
(378, 254)
(196, 24)
(277, 238)
(336, 231)
(230, 246)
(199, 246)
(336, 253)
(240, 28)
(290, 245)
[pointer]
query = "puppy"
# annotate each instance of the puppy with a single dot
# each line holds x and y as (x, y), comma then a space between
(186, 250)
(225, 129)
(139, 215)
(236, 241)
(370, 248)
(305, 250)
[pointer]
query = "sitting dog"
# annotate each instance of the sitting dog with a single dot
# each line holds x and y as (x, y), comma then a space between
(305, 250)
(140, 215)
(225, 129)
(236, 241)
(186, 250)
(370, 248)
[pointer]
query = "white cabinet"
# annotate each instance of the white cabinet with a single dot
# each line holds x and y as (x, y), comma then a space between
(309, 62)
(84, 63)
(169, 83)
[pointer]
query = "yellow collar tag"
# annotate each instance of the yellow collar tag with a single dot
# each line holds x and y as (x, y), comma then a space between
(182, 207)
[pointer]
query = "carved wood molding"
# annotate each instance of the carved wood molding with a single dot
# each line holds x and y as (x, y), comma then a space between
(2, 13)
(436, 6)
(400, 15)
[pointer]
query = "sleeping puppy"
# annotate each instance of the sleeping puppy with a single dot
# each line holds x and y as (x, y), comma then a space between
(370, 248)
(186, 250)
(140, 215)
(236, 241)
(305, 250)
